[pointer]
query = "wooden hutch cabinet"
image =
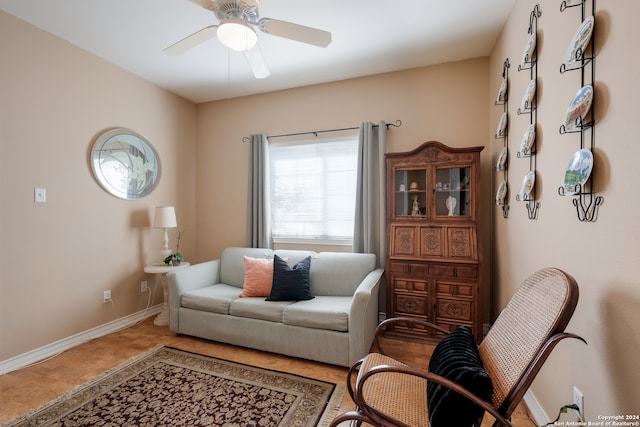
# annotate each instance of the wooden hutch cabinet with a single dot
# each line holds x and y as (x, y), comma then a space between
(433, 263)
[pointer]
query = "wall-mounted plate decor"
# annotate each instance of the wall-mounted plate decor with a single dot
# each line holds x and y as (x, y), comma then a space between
(502, 159)
(501, 193)
(124, 163)
(527, 140)
(579, 108)
(502, 126)
(502, 93)
(579, 42)
(527, 185)
(577, 171)
(528, 50)
(529, 93)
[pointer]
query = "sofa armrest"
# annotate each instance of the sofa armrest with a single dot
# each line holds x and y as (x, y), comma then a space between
(363, 315)
(186, 279)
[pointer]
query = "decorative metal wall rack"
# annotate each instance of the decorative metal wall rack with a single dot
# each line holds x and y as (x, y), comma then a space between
(529, 105)
(502, 164)
(580, 118)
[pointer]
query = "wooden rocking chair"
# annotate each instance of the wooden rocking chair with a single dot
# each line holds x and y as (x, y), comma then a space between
(390, 393)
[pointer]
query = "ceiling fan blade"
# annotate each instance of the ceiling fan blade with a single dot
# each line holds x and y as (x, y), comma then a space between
(207, 4)
(191, 41)
(295, 32)
(256, 62)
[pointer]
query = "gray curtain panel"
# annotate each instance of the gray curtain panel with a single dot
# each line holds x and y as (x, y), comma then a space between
(369, 227)
(258, 205)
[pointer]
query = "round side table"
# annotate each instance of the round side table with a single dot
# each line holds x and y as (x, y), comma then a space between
(161, 270)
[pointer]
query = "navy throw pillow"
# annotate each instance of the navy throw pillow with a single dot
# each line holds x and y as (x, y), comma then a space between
(456, 358)
(290, 283)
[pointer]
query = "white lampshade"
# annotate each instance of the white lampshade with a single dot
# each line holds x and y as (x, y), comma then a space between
(237, 34)
(165, 217)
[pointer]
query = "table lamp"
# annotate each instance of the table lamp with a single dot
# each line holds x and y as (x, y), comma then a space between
(165, 218)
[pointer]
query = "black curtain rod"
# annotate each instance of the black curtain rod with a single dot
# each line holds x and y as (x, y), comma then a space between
(396, 124)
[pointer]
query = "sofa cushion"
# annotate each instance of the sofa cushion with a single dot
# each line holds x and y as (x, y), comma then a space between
(258, 277)
(258, 308)
(456, 358)
(339, 273)
(232, 263)
(216, 298)
(319, 313)
(290, 283)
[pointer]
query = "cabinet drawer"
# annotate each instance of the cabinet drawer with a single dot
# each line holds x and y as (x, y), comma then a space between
(454, 309)
(410, 285)
(410, 304)
(454, 270)
(409, 268)
(454, 289)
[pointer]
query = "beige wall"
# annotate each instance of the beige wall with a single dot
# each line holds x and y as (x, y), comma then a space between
(445, 103)
(58, 257)
(602, 255)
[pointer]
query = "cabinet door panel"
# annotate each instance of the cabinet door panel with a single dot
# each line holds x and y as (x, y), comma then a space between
(432, 242)
(403, 240)
(411, 304)
(461, 243)
(454, 309)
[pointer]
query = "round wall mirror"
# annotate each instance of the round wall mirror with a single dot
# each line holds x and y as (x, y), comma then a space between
(125, 164)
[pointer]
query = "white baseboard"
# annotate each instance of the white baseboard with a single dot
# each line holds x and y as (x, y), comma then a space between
(50, 350)
(535, 410)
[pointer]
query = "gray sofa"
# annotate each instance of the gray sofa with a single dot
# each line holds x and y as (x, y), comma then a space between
(335, 327)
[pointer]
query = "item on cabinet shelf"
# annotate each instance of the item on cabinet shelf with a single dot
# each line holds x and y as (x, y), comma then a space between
(527, 185)
(527, 98)
(502, 192)
(451, 203)
(502, 93)
(502, 159)
(578, 171)
(414, 186)
(527, 140)
(579, 42)
(403, 187)
(579, 108)
(502, 126)
(415, 210)
(528, 50)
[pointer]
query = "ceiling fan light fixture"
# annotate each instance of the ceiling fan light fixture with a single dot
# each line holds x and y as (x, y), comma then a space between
(237, 35)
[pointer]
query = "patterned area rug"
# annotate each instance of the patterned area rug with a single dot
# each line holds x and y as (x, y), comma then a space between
(170, 387)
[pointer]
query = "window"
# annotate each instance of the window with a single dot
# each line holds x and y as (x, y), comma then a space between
(313, 187)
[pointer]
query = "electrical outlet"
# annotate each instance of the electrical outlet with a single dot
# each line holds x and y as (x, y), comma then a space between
(106, 296)
(578, 400)
(144, 287)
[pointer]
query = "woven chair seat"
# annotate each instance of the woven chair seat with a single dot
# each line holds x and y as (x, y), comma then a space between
(400, 396)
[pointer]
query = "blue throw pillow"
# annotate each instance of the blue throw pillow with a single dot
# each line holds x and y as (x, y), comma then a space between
(290, 283)
(456, 358)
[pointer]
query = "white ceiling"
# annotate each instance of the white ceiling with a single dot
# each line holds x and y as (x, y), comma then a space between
(369, 37)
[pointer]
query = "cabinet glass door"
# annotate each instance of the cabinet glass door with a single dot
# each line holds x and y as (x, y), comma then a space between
(453, 191)
(410, 193)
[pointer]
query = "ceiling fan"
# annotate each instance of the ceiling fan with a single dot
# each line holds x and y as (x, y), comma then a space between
(236, 31)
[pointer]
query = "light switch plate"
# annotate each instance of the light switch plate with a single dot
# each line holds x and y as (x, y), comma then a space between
(40, 195)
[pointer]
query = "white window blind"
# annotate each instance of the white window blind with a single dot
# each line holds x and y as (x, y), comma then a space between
(313, 185)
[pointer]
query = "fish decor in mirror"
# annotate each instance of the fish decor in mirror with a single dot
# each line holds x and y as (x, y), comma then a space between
(124, 163)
